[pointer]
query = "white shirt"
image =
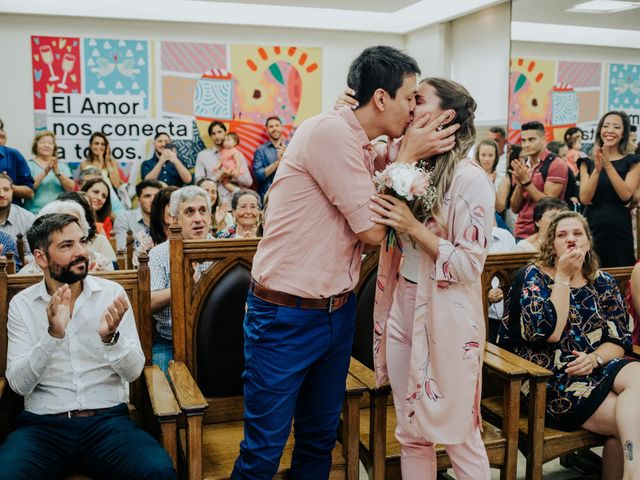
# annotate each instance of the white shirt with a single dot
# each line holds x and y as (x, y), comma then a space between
(206, 162)
(129, 220)
(78, 371)
(410, 268)
(501, 242)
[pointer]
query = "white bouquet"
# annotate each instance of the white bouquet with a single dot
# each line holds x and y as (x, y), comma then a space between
(407, 182)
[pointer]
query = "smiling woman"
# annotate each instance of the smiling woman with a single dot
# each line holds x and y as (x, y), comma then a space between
(99, 195)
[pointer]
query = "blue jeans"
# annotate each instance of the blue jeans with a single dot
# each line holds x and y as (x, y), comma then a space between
(162, 353)
(107, 445)
(296, 364)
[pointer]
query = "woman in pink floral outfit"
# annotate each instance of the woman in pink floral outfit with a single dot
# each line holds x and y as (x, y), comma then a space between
(429, 326)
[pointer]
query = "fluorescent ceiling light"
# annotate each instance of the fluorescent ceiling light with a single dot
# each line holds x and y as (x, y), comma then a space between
(602, 6)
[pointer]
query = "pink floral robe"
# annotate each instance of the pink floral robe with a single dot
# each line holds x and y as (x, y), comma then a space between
(449, 330)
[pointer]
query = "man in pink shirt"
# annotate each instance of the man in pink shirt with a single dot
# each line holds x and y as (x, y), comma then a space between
(301, 312)
(531, 183)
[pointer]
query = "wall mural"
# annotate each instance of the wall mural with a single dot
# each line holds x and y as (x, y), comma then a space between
(563, 94)
(131, 89)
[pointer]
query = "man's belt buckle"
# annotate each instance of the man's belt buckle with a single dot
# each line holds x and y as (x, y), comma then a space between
(331, 303)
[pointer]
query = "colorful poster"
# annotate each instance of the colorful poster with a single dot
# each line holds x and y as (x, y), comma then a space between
(131, 89)
(56, 67)
(624, 87)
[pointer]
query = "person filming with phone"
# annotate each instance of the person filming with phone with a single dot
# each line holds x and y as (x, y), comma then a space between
(567, 316)
(165, 164)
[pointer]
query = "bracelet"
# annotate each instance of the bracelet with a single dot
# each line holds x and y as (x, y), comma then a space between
(566, 284)
(526, 184)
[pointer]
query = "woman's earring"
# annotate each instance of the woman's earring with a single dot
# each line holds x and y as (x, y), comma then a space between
(587, 257)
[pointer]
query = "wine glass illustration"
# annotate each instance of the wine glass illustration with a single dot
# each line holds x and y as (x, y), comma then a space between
(47, 57)
(68, 61)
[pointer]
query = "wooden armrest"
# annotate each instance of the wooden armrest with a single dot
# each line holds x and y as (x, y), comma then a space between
(163, 401)
(534, 371)
(635, 353)
(367, 377)
(354, 386)
(188, 394)
(503, 367)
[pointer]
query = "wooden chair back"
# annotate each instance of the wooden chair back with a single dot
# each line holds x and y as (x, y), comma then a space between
(20, 241)
(129, 249)
(208, 316)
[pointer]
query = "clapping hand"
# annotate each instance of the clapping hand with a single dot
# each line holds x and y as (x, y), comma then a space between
(112, 317)
(59, 311)
(520, 171)
(601, 159)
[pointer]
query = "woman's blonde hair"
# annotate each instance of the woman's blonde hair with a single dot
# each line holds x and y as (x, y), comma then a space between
(547, 255)
(36, 139)
(452, 96)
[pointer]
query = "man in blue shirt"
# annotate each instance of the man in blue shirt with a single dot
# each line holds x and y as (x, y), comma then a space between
(13, 163)
(267, 157)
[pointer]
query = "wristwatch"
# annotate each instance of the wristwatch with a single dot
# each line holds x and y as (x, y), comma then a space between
(114, 339)
(599, 359)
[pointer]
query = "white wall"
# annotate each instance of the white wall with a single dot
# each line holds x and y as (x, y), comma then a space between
(429, 46)
(480, 60)
(16, 88)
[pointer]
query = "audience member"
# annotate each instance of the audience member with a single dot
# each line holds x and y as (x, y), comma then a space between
(573, 139)
(99, 157)
(8, 245)
(208, 160)
(74, 376)
(3, 134)
(541, 175)
(95, 241)
(569, 317)
(501, 242)
(138, 219)
(607, 184)
(267, 156)
(633, 139)
(13, 164)
(14, 219)
(50, 176)
(190, 207)
(97, 261)
(165, 165)
(499, 135)
(543, 213)
(230, 161)
(245, 208)
(99, 195)
(220, 216)
(559, 149)
(117, 207)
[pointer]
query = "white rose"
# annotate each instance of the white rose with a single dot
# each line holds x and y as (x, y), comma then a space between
(402, 181)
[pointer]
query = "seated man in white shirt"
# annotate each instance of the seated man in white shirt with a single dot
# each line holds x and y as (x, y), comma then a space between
(140, 218)
(73, 348)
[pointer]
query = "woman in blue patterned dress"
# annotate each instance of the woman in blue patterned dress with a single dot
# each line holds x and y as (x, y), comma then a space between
(573, 321)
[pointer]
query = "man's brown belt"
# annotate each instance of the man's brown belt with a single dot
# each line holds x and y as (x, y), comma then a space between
(80, 413)
(287, 300)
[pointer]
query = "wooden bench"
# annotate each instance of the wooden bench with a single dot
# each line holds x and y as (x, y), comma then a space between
(379, 448)
(538, 442)
(208, 346)
(151, 399)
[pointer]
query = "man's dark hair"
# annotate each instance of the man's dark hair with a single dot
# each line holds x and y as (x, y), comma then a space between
(501, 131)
(545, 204)
(39, 235)
(272, 117)
(379, 67)
(535, 125)
(156, 216)
(148, 183)
(213, 124)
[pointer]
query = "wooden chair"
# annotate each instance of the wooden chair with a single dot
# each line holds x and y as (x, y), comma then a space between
(150, 395)
(539, 443)
(129, 249)
(20, 240)
(10, 263)
(380, 450)
(208, 346)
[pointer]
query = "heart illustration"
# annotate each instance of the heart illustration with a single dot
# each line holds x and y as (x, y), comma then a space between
(69, 48)
(73, 77)
(38, 94)
(36, 40)
(50, 87)
(37, 74)
(54, 43)
(36, 57)
(62, 43)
